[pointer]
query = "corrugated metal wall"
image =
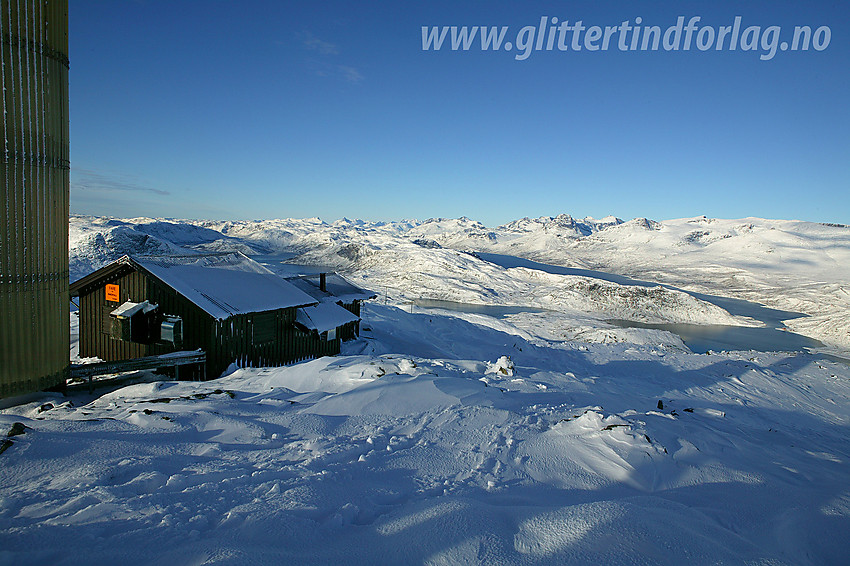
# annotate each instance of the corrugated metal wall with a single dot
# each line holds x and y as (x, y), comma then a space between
(34, 331)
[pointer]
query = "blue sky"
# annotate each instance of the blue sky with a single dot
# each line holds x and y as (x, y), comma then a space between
(249, 110)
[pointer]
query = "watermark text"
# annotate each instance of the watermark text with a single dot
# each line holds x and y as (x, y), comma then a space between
(552, 34)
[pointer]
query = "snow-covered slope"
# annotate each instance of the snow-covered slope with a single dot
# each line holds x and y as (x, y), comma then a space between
(435, 440)
(95, 242)
(790, 265)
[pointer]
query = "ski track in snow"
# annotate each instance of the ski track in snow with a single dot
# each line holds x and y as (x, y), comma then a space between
(444, 438)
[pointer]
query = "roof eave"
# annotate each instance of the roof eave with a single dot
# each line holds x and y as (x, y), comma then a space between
(127, 261)
(82, 283)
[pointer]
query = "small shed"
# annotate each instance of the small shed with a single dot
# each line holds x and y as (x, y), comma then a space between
(332, 290)
(225, 304)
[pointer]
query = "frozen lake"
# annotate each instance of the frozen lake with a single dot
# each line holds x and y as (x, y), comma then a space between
(496, 311)
(699, 338)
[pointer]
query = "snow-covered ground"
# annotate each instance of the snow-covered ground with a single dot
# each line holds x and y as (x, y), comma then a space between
(437, 440)
(446, 437)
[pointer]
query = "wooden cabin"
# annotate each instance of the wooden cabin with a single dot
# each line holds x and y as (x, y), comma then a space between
(331, 288)
(225, 304)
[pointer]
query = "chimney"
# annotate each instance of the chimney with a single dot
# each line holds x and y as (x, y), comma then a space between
(323, 282)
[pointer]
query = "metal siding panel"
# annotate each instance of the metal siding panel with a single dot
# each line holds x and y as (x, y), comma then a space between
(34, 332)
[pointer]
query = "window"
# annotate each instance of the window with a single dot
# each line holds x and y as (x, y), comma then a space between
(108, 321)
(264, 326)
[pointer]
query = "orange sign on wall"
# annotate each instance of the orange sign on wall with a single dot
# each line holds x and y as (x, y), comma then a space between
(112, 292)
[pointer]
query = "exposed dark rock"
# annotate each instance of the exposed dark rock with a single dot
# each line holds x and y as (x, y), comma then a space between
(17, 428)
(431, 244)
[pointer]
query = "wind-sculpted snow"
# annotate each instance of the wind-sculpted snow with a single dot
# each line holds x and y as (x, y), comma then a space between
(436, 440)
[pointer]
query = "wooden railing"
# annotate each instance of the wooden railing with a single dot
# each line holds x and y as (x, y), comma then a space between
(174, 359)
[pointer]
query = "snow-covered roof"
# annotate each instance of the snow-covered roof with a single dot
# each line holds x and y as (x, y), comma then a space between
(224, 285)
(338, 288)
(324, 316)
(128, 309)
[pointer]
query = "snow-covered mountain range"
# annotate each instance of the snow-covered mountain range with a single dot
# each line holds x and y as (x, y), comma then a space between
(790, 265)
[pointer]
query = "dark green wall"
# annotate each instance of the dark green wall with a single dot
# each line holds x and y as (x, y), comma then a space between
(253, 340)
